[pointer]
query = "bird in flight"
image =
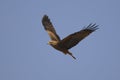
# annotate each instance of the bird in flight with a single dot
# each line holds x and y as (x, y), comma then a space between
(68, 42)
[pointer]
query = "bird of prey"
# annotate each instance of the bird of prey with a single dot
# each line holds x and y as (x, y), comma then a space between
(68, 42)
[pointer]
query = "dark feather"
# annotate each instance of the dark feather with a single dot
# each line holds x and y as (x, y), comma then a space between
(50, 28)
(73, 39)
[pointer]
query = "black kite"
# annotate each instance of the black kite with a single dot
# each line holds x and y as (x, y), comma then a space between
(68, 42)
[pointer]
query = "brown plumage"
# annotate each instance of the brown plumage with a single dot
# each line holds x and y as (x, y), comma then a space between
(70, 41)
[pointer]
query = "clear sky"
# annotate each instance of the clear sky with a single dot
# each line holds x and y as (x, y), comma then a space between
(25, 55)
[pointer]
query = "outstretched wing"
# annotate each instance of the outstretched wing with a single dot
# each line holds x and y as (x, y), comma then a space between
(76, 37)
(49, 28)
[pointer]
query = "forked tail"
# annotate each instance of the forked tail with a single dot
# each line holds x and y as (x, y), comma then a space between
(71, 55)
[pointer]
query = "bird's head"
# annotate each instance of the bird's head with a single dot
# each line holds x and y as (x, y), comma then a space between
(52, 42)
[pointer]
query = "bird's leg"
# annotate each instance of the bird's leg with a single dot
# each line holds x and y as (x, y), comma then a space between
(71, 55)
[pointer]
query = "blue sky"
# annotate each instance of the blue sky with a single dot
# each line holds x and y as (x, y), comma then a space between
(25, 55)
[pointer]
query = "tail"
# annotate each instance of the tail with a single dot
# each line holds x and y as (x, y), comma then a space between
(71, 55)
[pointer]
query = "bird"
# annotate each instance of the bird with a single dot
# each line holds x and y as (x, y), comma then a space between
(68, 42)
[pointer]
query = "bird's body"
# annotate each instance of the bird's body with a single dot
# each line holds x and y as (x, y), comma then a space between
(70, 41)
(58, 47)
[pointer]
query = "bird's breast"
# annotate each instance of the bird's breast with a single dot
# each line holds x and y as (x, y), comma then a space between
(57, 47)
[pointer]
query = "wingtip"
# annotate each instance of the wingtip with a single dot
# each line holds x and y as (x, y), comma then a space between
(45, 17)
(92, 26)
(46, 21)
